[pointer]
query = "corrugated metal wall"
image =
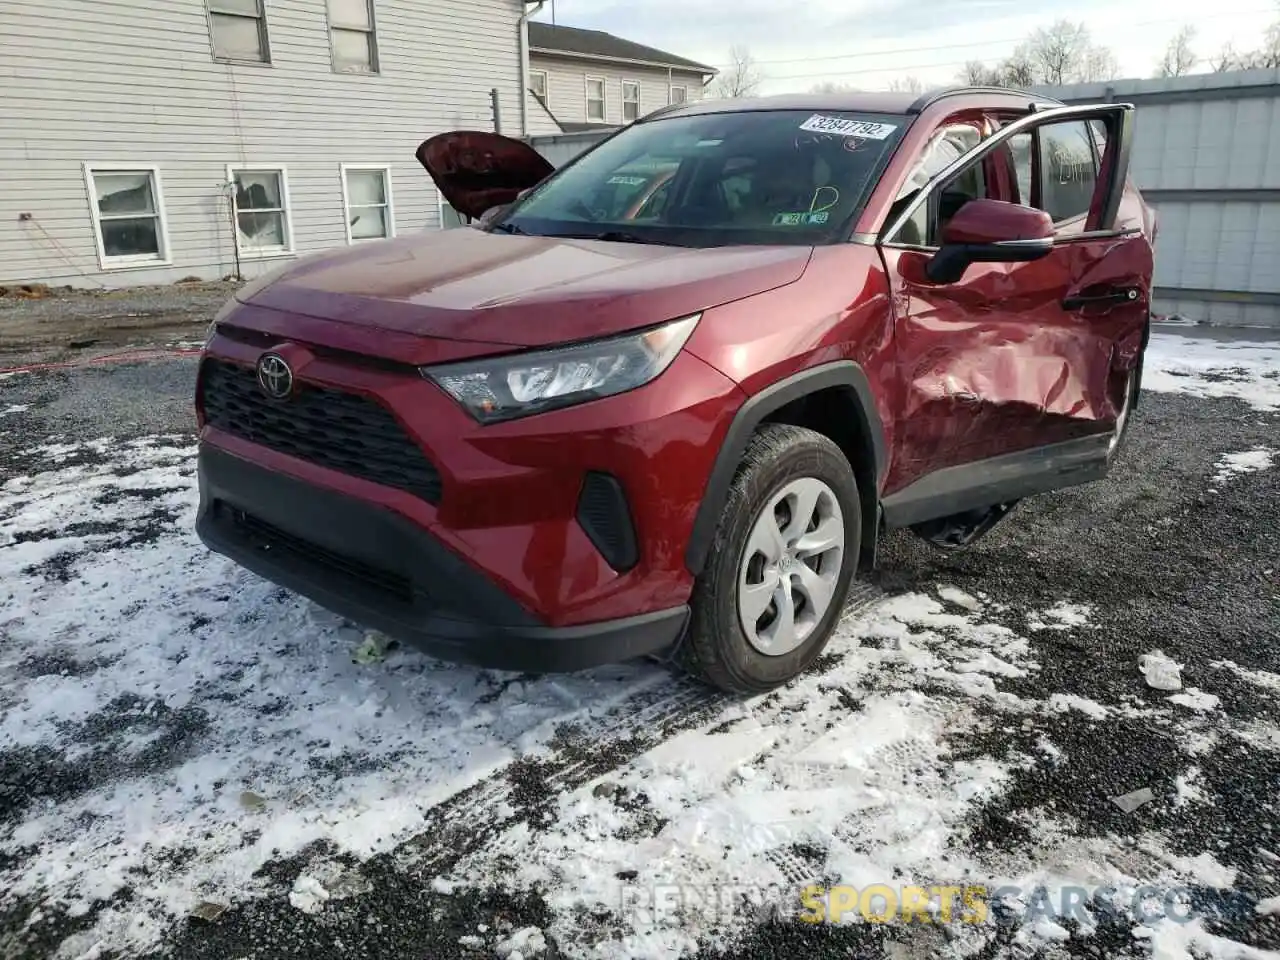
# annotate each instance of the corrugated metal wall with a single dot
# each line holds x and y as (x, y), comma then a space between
(1207, 156)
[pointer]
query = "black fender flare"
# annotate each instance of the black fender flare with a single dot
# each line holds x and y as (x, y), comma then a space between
(838, 374)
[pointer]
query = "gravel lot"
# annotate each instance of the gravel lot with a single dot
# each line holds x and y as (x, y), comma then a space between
(175, 732)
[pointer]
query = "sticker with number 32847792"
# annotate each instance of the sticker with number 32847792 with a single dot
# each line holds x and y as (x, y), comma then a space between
(840, 127)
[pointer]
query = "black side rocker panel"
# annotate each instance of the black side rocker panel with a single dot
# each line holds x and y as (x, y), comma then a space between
(1001, 479)
(842, 373)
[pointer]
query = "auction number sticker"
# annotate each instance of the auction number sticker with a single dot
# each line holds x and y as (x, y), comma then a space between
(840, 127)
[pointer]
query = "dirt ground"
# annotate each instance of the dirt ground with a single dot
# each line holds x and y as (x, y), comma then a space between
(77, 325)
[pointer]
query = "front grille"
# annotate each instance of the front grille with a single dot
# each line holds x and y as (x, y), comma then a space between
(331, 428)
(266, 536)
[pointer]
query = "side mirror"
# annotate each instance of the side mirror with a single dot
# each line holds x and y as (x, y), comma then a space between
(990, 231)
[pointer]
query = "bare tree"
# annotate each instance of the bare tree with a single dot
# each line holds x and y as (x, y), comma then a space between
(1266, 57)
(1225, 59)
(978, 74)
(1018, 71)
(742, 78)
(1179, 59)
(1065, 53)
(907, 85)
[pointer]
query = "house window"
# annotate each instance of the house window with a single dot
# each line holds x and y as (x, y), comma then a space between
(355, 48)
(128, 215)
(630, 101)
(679, 94)
(239, 31)
(595, 98)
(538, 83)
(366, 193)
(449, 217)
(261, 200)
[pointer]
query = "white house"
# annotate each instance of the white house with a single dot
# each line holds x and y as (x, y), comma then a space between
(587, 79)
(145, 141)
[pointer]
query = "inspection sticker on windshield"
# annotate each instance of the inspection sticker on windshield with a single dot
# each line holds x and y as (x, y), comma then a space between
(801, 219)
(864, 129)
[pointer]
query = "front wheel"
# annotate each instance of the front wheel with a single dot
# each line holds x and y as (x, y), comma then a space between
(779, 572)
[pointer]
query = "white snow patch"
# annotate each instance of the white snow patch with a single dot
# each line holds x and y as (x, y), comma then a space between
(1262, 678)
(1249, 461)
(1062, 702)
(960, 598)
(1189, 788)
(15, 408)
(1194, 699)
(526, 942)
(1171, 940)
(1269, 907)
(1204, 367)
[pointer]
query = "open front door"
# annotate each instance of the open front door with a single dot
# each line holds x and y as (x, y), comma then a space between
(1014, 376)
(476, 171)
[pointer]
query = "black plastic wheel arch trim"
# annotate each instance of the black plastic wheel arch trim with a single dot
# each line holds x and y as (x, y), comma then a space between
(841, 373)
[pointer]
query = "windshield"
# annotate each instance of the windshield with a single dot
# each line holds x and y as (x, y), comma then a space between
(771, 177)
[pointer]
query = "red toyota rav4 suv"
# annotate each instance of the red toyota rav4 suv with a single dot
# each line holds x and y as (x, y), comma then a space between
(670, 413)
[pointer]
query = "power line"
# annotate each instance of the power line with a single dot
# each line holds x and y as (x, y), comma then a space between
(979, 43)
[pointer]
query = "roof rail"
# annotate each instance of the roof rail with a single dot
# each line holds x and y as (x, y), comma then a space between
(931, 97)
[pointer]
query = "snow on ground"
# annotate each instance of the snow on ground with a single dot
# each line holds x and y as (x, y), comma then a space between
(197, 723)
(1205, 367)
(1248, 461)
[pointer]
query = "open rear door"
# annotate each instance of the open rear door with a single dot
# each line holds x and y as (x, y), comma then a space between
(476, 170)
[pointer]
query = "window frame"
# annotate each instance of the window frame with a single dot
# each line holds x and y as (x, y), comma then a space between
(671, 90)
(604, 98)
(131, 261)
(545, 95)
(441, 203)
(371, 34)
(264, 34)
(625, 102)
(269, 253)
(1043, 115)
(388, 205)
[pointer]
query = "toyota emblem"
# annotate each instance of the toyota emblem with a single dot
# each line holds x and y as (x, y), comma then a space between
(274, 376)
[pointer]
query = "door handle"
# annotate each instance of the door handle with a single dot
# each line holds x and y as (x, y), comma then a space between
(1111, 295)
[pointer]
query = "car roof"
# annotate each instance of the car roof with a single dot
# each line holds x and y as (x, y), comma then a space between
(855, 101)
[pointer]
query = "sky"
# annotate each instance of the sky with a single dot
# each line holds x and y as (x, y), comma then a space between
(869, 43)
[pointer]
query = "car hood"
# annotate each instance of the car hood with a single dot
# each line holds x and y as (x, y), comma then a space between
(467, 284)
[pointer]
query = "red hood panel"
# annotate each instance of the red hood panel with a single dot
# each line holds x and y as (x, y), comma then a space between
(524, 291)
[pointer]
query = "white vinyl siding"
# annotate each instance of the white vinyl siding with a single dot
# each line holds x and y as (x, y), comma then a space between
(260, 197)
(366, 195)
(156, 97)
(567, 92)
(597, 97)
(630, 101)
(127, 208)
(351, 31)
(238, 31)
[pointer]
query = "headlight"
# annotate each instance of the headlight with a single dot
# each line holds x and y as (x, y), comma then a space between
(504, 388)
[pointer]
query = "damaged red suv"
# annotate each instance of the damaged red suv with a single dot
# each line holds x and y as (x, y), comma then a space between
(664, 400)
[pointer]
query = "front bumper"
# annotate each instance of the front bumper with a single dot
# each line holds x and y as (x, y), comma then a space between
(377, 568)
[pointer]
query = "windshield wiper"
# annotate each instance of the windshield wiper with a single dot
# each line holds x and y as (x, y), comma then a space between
(618, 236)
(508, 228)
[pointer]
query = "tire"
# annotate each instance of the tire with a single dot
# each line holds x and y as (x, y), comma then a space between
(1132, 386)
(783, 467)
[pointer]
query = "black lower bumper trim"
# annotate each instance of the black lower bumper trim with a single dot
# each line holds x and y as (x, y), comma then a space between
(378, 569)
